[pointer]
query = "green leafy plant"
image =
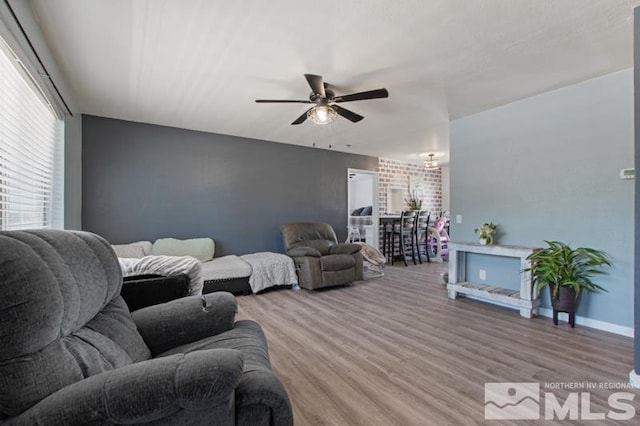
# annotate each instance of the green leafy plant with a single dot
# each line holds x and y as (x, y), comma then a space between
(486, 232)
(560, 265)
(413, 201)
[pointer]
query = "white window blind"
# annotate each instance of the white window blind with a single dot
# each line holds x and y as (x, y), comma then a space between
(31, 151)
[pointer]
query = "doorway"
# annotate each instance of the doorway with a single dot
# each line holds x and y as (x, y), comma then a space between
(362, 201)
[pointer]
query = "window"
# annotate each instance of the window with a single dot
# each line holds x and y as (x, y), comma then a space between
(31, 151)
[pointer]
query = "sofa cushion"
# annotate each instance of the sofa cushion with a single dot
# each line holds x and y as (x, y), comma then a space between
(200, 248)
(245, 336)
(225, 267)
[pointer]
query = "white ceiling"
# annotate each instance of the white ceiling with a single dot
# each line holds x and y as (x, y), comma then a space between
(200, 64)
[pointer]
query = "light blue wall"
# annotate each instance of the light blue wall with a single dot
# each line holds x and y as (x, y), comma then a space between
(547, 167)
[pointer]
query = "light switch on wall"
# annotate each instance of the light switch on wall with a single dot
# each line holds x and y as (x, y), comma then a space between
(458, 218)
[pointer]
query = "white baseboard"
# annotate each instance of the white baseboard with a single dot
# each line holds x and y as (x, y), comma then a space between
(587, 322)
(634, 379)
(591, 323)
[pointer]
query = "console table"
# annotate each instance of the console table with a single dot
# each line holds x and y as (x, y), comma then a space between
(526, 299)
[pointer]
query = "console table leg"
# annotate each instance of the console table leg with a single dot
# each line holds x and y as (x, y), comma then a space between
(526, 312)
(555, 317)
(452, 294)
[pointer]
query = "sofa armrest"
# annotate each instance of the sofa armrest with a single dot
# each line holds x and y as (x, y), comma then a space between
(345, 248)
(303, 251)
(185, 320)
(147, 391)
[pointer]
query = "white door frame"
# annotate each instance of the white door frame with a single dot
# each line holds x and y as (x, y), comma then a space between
(375, 213)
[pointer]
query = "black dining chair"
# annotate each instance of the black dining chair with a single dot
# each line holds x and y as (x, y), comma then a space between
(387, 239)
(404, 230)
(421, 233)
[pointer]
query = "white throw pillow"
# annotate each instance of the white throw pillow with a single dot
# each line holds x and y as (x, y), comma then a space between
(200, 248)
(135, 250)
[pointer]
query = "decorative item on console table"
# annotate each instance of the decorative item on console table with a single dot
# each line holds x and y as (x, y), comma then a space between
(413, 201)
(567, 272)
(486, 232)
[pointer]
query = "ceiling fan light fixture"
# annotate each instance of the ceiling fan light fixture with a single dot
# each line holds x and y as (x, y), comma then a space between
(431, 163)
(322, 114)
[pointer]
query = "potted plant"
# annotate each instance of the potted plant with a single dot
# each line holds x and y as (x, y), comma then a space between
(567, 272)
(413, 201)
(486, 232)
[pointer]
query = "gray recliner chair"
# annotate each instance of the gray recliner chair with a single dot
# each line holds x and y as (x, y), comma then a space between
(71, 353)
(320, 260)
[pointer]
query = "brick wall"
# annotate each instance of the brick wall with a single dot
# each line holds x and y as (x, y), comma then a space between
(400, 174)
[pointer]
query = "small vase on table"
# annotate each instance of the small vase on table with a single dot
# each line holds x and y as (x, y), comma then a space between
(485, 233)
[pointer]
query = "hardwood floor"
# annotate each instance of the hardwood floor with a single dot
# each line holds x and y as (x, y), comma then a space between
(396, 351)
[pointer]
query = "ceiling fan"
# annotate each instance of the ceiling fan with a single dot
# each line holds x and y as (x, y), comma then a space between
(326, 109)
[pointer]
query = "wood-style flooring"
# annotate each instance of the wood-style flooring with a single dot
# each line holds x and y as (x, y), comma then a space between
(396, 351)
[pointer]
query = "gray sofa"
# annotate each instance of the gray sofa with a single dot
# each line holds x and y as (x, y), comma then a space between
(71, 353)
(320, 260)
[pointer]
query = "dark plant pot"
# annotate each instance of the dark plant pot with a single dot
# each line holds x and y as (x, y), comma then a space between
(564, 301)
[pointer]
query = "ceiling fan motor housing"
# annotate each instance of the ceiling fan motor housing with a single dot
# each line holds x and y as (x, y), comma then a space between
(317, 97)
(322, 96)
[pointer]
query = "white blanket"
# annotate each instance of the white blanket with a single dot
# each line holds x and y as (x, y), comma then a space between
(270, 269)
(169, 266)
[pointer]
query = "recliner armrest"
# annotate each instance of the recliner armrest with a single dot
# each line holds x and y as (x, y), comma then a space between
(345, 248)
(185, 320)
(148, 391)
(303, 251)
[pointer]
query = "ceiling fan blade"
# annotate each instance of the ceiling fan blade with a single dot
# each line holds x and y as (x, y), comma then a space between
(349, 115)
(316, 84)
(303, 117)
(282, 101)
(361, 96)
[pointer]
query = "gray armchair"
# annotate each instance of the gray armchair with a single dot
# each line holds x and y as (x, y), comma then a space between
(320, 260)
(72, 353)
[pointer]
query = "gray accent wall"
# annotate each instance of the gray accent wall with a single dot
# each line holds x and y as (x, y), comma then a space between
(73, 172)
(546, 168)
(143, 182)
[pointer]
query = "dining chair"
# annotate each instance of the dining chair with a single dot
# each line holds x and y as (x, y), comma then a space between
(387, 239)
(421, 233)
(403, 230)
